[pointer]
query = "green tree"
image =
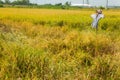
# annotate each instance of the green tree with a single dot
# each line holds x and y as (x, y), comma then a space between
(7, 1)
(59, 4)
(21, 2)
(67, 3)
(1, 2)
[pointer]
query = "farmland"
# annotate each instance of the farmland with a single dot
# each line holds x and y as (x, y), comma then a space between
(50, 44)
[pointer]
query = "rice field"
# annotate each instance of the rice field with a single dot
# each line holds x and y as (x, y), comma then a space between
(51, 44)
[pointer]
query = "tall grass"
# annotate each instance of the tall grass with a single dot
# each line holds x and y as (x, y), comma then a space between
(61, 45)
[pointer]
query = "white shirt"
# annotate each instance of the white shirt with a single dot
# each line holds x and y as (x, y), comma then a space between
(96, 18)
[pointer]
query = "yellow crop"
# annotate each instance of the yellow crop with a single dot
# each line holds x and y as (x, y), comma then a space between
(49, 44)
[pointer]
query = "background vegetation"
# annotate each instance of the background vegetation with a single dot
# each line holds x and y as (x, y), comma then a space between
(42, 44)
(27, 4)
(66, 5)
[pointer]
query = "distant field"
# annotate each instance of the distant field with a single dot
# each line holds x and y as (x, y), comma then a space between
(51, 17)
(51, 44)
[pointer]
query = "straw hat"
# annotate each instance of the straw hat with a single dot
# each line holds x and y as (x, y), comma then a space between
(99, 11)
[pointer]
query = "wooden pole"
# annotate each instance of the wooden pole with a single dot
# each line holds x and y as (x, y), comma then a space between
(106, 4)
(96, 46)
(83, 2)
(88, 2)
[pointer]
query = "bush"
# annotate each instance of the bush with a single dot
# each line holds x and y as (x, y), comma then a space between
(101, 7)
(1, 5)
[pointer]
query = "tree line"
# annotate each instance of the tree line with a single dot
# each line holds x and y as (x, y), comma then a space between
(15, 2)
(26, 3)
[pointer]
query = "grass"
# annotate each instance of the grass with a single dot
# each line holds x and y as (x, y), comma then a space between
(47, 44)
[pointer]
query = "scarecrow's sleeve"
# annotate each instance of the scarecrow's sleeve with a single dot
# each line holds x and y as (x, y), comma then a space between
(93, 16)
(102, 15)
